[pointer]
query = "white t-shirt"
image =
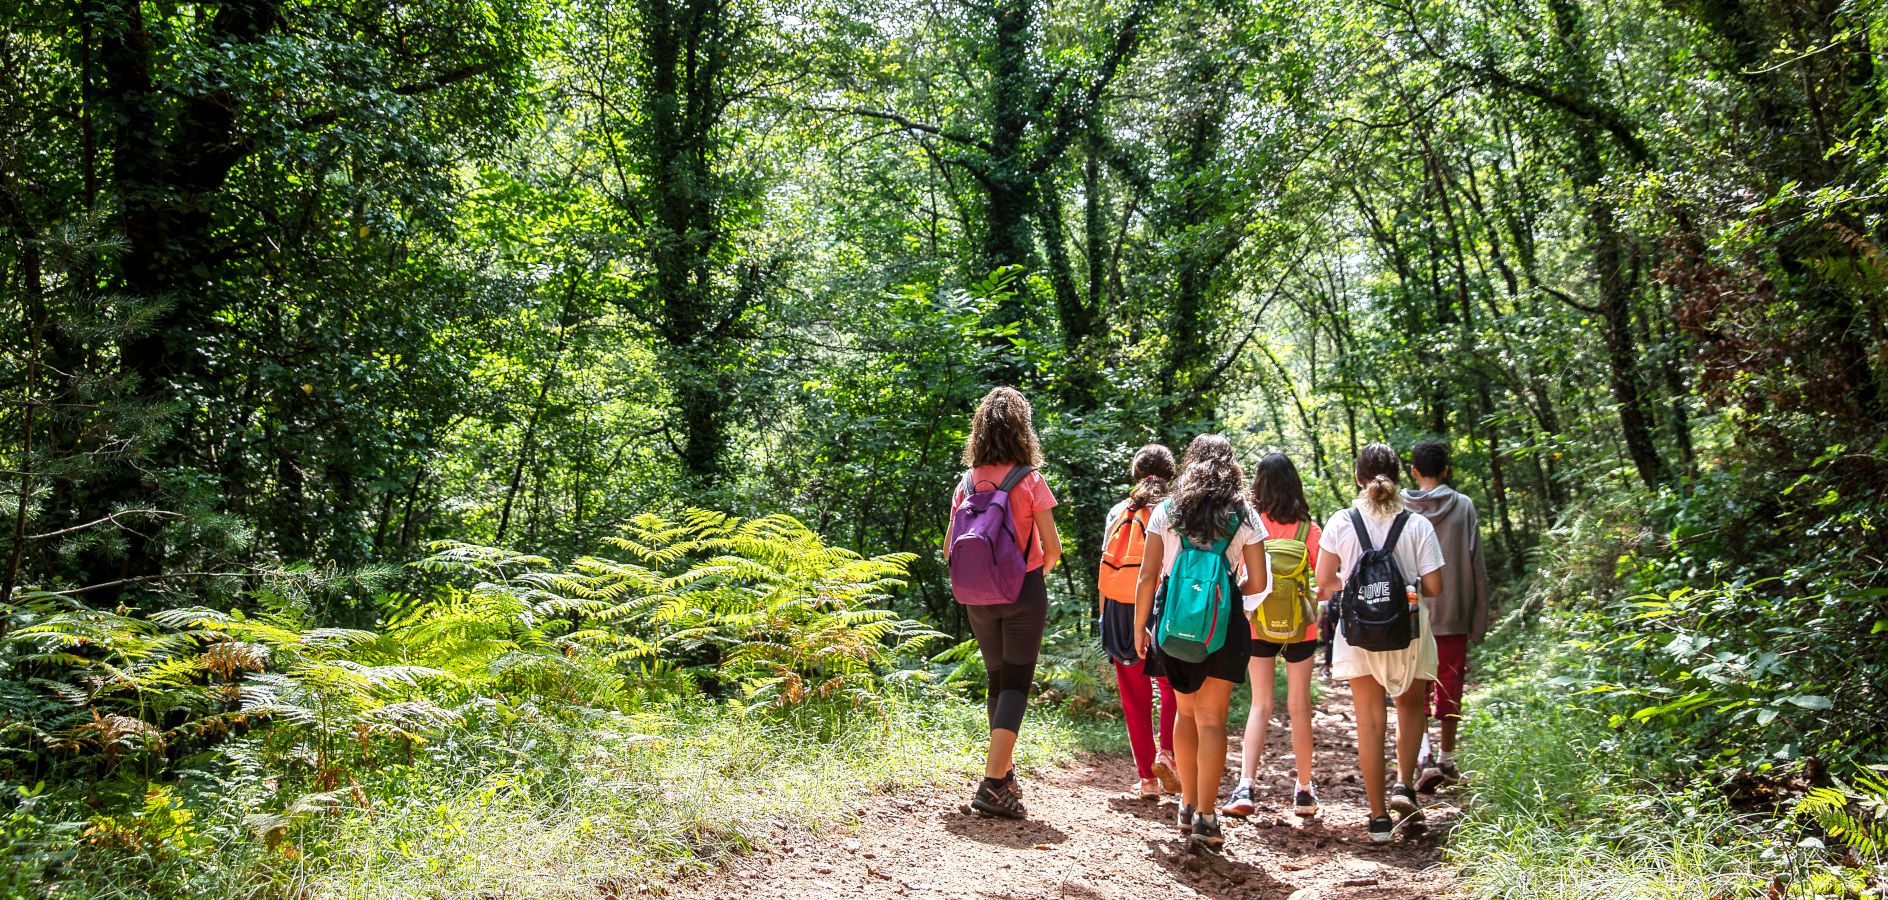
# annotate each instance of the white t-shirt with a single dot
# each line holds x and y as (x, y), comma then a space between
(1107, 525)
(1235, 548)
(1418, 553)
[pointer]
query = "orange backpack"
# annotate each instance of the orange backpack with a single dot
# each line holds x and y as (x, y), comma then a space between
(1121, 558)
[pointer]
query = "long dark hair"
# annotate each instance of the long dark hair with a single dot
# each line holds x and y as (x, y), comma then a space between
(1278, 492)
(1211, 488)
(1003, 431)
(1378, 472)
(1153, 472)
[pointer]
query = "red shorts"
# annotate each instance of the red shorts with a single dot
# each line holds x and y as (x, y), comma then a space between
(1451, 670)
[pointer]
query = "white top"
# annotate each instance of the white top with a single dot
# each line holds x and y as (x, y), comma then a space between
(1235, 548)
(1107, 525)
(1418, 553)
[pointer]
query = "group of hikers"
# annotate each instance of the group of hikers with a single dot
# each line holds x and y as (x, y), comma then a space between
(1205, 580)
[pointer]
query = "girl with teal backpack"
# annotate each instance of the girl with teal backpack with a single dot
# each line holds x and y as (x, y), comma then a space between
(1199, 641)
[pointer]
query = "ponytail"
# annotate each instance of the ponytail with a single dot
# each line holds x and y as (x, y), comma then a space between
(1153, 471)
(1378, 474)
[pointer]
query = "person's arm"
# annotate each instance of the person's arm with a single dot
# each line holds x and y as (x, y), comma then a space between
(1051, 540)
(1329, 582)
(1432, 584)
(1258, 570)
(1153, 562)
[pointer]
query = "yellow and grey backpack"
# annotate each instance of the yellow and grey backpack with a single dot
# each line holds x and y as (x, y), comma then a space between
(1285, 613)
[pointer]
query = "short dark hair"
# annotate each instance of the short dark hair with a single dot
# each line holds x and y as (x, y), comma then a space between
(1429, 458)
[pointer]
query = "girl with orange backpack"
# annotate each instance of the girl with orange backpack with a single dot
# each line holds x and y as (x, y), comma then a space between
(1122, 548)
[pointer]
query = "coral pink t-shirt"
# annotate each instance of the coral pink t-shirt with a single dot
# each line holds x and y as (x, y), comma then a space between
(1030, 496)
(1276, 532)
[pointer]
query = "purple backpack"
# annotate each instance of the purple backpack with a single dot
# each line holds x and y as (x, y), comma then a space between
(986, 565)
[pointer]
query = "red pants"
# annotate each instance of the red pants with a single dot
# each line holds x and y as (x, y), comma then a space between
(1451, 669)
(1137, 707)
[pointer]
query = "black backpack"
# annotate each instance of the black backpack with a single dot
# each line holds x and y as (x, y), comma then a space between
(1375, 608)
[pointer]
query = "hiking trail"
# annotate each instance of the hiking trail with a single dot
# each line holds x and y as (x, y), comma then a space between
(1089, 838)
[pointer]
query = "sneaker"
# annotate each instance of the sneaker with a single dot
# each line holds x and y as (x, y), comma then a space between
(1150, 788)
(1305, 802)
(1163, 770)
(1240, 804)
(1450, 773)
(1380, 829)
(1206, 832)
(1403, 802)
(998, 797)
(1185, 819)
(1429, 779)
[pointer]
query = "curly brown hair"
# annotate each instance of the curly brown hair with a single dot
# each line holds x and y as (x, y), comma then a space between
(1003, 431)
(1211, 489)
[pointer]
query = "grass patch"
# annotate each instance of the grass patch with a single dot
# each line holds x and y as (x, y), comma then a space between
(1561, 806)
(649, 799)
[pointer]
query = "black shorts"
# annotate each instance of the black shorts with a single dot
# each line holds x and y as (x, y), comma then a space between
(1294, 652)
(1228, 663)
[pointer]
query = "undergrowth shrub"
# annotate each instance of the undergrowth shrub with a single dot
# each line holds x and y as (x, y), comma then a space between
(506, 710)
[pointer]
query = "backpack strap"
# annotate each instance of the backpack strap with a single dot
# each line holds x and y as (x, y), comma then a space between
(1304, 530)
(1014, 478)
(1396, 530)
(1363, 533)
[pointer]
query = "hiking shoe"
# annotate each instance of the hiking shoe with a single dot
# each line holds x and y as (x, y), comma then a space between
(1450, 773)
(1163, 770)
(1150, 788)
(998, 798)
(1380, 829)
(1240, 804)
(1010, 779)
(1403, 802)
(1430, 779)
(1206, 832)
(1305, 802)
(1185, 819)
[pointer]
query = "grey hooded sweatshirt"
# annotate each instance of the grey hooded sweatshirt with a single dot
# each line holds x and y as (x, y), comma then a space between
(1462, 608)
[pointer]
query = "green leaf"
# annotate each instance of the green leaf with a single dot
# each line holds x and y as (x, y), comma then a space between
(1810, 701)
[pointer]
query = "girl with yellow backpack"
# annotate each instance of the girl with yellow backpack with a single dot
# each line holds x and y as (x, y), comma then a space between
(1284, 624)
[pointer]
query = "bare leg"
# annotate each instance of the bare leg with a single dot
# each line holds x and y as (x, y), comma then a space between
(1412, 717)
(1259, 671)
(1209, 716)
(1448, 735)
(1372, 720)
(1002, 755)
(1298, 701)
(1186, 746)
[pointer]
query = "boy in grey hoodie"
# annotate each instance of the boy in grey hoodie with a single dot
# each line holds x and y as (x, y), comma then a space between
(1459, 615)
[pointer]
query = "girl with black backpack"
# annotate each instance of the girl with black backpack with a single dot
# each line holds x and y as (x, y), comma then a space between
(1196, 541)
(1124, 545)
(1372, 557)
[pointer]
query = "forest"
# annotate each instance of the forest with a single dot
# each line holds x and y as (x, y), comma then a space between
(439, 441)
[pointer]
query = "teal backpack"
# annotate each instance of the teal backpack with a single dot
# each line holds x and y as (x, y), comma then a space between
(1198, 605)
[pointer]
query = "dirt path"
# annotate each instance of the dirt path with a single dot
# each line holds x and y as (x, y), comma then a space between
(1089, 838)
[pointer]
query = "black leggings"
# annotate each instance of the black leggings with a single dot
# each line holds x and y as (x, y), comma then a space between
(1009, 635)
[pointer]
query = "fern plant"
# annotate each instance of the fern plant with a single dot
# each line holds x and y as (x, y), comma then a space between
(763, 605)
(93, 689)
(1855, 814)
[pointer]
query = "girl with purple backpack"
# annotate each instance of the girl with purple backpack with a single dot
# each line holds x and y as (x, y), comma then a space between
(1001, 543)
